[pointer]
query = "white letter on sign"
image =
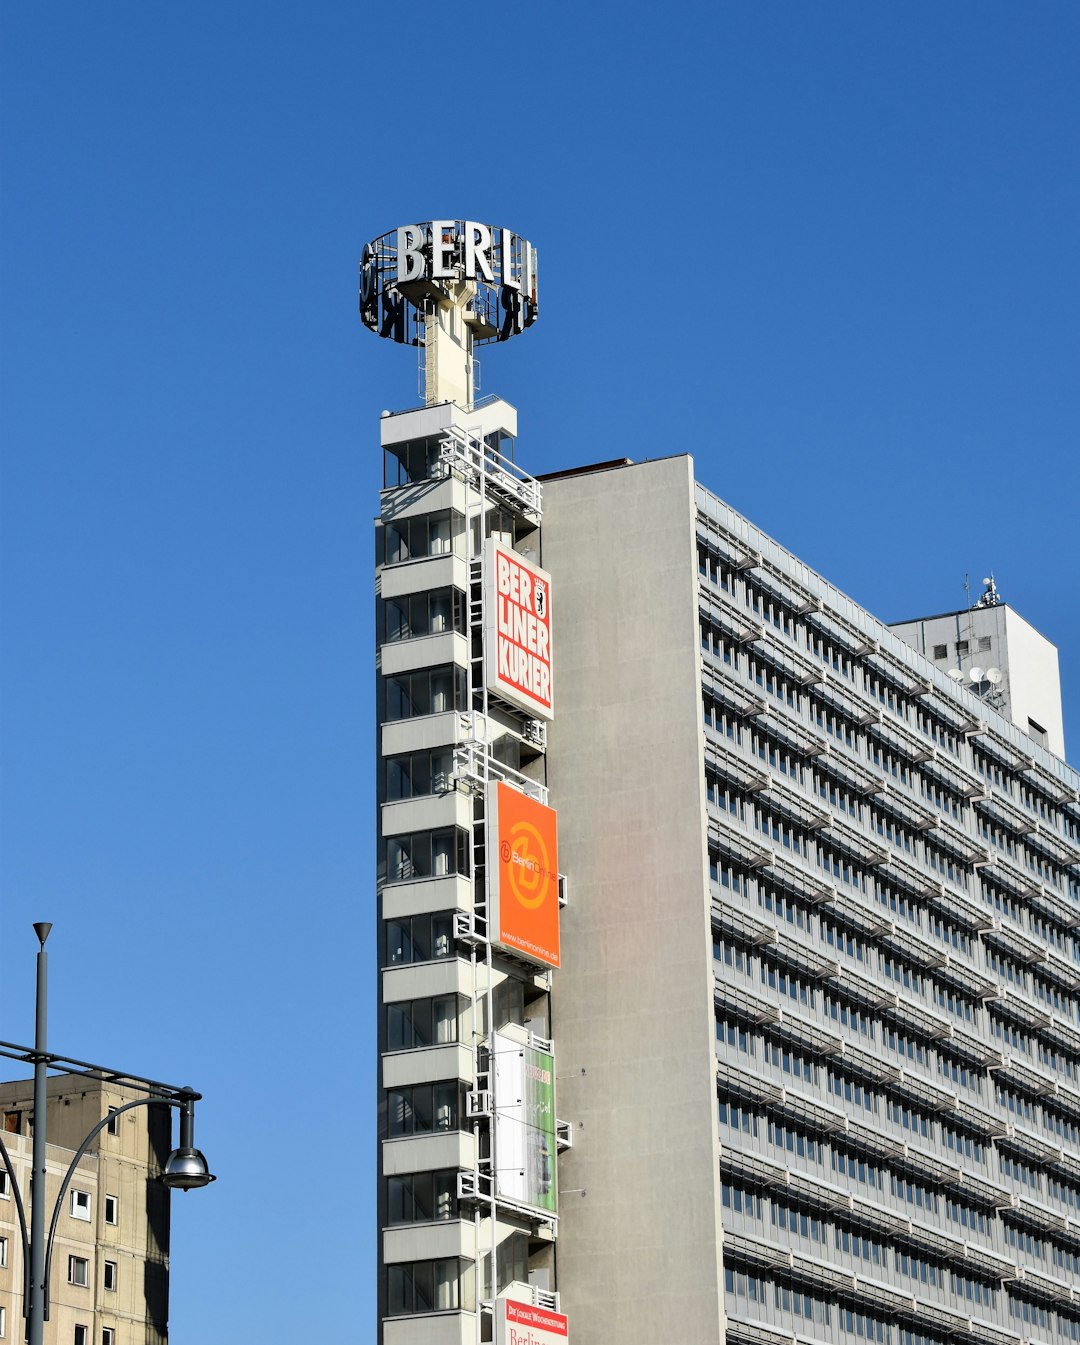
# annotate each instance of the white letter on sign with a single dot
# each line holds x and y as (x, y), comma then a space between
(477, 245)
(509, 272)
(410, 260)
(443, 246)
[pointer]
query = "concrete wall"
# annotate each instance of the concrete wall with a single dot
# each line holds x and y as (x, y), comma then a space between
(1034, 681)
(639, 1256)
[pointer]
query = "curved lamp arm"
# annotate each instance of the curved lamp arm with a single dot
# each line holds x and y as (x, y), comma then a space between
(22, 1226)
(184, 1100)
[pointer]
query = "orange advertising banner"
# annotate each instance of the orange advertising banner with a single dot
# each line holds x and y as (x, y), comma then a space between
(523, 874)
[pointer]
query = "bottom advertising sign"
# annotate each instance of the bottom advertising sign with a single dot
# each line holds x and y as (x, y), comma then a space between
(522, 1324)
(524, 1084)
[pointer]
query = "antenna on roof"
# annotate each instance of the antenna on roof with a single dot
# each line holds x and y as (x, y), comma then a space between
(990, 596)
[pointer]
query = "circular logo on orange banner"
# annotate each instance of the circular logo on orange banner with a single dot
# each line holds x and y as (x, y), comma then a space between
(528, 864)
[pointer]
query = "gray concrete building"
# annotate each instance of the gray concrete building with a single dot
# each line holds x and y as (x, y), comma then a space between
(815, 1025)
(729, 965)
(109, 1282)
(880, 874)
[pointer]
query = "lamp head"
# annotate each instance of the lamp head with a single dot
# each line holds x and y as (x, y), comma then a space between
(186, 1170)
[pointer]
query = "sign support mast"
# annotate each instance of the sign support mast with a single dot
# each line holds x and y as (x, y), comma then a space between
(447, 287)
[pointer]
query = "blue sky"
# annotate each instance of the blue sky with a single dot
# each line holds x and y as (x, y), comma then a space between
(830, 249)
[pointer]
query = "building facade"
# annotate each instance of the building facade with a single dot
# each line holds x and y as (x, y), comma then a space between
(801, 1059)
(468, 1133)
(109, 1280)
(817, 1021)
(879, 873)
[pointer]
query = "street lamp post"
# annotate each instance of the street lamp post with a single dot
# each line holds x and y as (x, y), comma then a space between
(185, 1168)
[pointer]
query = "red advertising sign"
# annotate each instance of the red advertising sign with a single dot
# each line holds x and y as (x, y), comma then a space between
(523, 874)
(517, 615)
(522, 1324)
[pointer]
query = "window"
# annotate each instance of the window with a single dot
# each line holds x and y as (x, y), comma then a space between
(735, 1198)
(3, 1253)
(411, 460)
(419, 938)
(446, 1285)
(113, 1128)
(80, 1336)
(78, 1270)
(423, 1022)
(4, 1193)
(422, 1197)
(110, 1274)
(984, 644)
(961, 646)
(427, 854)
(12, 1122)
(430, 691)
(107, 1335)
(428, 535)
(412, 616)
(3, 1322)
(112, 1210)
(1037, 732)
(738, 1117)
(80, 1205)
(417, 773)
(425, 1108)
(941, 651)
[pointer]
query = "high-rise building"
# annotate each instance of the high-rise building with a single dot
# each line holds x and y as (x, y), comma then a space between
(792, 1051)
(109, 1277)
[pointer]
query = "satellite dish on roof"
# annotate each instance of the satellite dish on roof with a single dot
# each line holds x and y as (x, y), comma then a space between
(995, 676)
(977, 675)
(957, 674)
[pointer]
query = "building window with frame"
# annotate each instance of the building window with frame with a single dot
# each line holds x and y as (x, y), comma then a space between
(428, 691)
(440, 534)
(112, 1209)
(412, 460)
(427, 854)
(422, 1197)
(81, 1336)
(113, 1127)
(419, 938)
(413, 774)
(5, 1194)
(426, 1108)
(414, 615)
(108, 1335)
(110, 1275)
(3, 1254)
(80, 1205)
(411, 1024)
(78, 1271)
(3, 1323)
(445, 1285)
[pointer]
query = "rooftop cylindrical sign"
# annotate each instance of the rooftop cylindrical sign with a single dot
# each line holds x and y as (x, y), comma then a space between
(413, 270)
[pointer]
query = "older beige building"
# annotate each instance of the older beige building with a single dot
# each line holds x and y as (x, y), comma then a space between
(109, 1279)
